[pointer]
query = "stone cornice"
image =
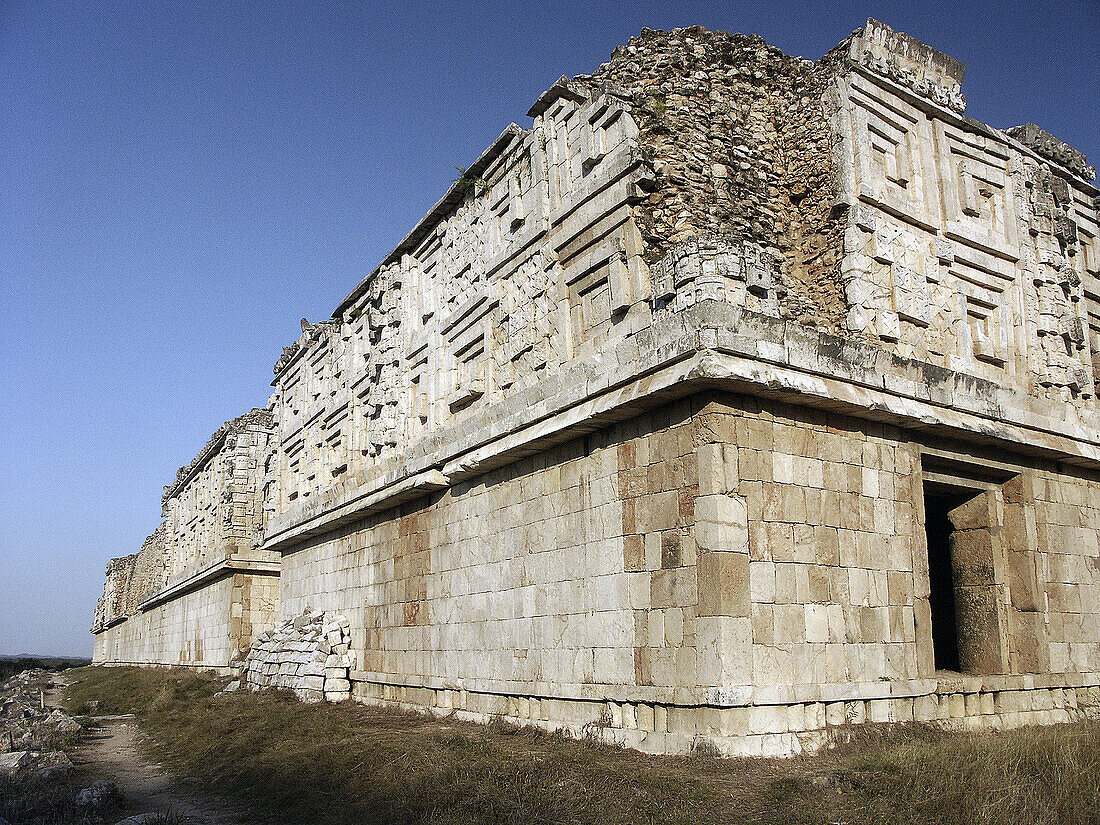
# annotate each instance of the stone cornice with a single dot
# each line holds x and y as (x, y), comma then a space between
(563, 87)
(218, 570)
(713, 345)
(366, 500)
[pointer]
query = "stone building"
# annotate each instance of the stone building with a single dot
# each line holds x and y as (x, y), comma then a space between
(739, 397)
(201, 585)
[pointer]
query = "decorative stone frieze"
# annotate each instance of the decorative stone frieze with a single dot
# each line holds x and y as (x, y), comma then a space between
(740, 398)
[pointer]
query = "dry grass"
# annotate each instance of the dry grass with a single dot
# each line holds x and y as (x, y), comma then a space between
(354, 764)
(53, 801)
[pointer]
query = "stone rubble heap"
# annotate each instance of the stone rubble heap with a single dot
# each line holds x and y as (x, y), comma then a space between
(30, 733)
(309, 654)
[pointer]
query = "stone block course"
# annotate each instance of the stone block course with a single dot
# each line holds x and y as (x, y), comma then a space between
(670, 427)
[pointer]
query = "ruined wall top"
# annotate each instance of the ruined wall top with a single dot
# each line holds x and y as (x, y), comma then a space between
(847, 196)
(114, 601)
(1048, 146)
(905, 60)
(256, 417)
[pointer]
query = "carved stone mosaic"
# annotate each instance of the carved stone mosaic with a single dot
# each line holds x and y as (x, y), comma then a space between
(679, 419)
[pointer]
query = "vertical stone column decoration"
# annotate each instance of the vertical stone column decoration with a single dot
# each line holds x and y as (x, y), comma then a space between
(723, 617)
(1058, 303)
(242, 493)
(861, 290)
(417, 393)
(978, 566)
(526, 320)
(1088, 262)
(1092, 309)
(1028, 651)
(412, 304)
(384, 324)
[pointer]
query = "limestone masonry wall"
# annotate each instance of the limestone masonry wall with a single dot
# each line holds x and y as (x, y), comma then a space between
(740, 397)
(190, 630)
(200, 583)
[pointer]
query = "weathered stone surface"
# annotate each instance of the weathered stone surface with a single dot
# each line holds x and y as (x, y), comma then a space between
(14, 761)
(213, 523)
(684, 416)
(1047, 145)
(297, 654)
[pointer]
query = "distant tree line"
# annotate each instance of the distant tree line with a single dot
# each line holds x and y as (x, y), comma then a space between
(12, 666)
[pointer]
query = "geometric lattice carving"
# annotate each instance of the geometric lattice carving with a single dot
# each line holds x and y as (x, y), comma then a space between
(892, 284)
(890, 151)
(886, 160)
(911, 298)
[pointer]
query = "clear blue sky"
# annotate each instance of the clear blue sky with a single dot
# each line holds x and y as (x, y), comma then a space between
(181, 182)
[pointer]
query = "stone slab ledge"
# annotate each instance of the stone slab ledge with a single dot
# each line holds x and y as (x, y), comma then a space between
(715, 345)
(219, 570)
(741, 695)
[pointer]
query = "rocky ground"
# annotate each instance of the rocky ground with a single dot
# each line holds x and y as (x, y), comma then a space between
(117, 750)
(86, 770)
(38, 781)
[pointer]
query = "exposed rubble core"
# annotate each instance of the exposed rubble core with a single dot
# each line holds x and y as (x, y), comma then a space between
(741, 148)
(132, 579)
(740, 397)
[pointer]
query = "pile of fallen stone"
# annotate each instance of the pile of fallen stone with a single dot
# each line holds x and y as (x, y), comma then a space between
(32, 735)
(38, 783)
(309, 654)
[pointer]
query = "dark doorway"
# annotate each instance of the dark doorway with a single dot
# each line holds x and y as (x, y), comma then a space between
(941, 580)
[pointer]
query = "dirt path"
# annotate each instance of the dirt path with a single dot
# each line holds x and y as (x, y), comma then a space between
(117, 750)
